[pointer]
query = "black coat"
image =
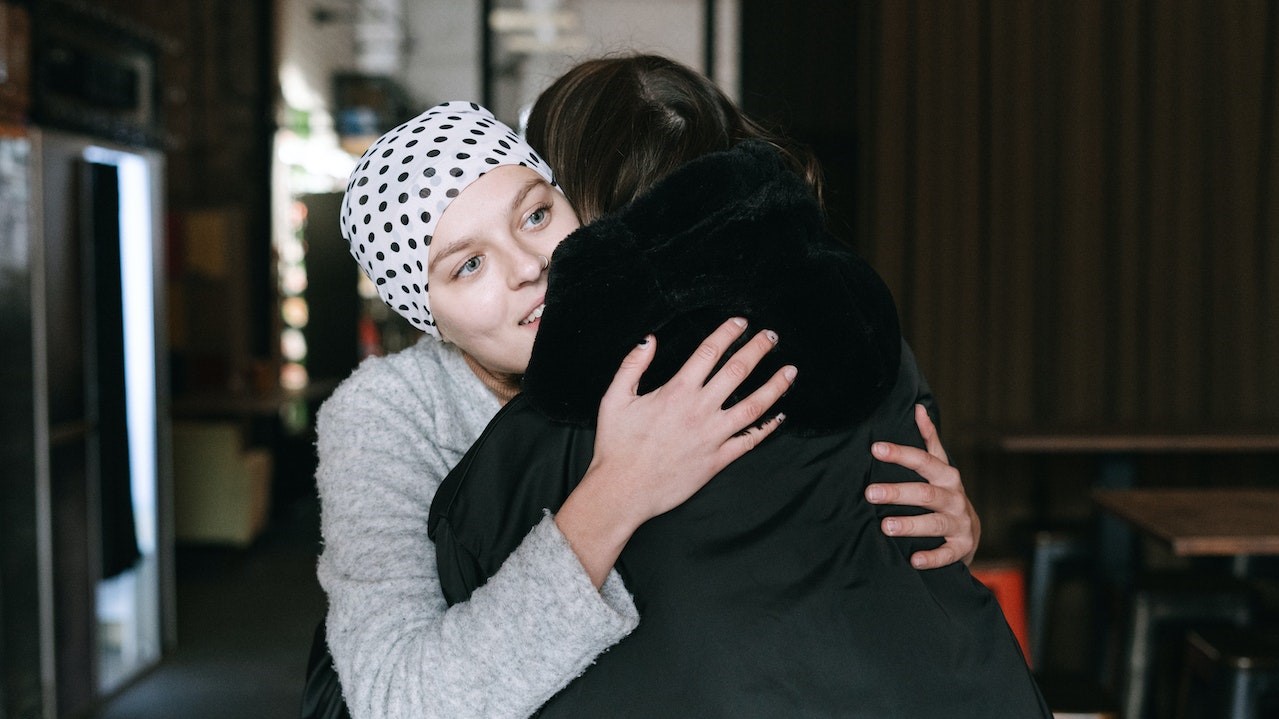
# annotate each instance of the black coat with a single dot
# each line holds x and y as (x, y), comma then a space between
(772, 591)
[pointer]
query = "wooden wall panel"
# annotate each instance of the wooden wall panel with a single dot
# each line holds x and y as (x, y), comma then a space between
(1076, 237)
(1074, 204)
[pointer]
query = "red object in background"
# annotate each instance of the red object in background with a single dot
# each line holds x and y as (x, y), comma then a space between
(370, 338)
(1007, 581)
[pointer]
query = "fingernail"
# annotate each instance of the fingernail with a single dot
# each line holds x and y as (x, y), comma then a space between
(781, 417)
(771, 335)
(644, 342)
(891, 526)
(739, 322)
(879, 449)
(875, 494)
(789, 372)
(917, 562)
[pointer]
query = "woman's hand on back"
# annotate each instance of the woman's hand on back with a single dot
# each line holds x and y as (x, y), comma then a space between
(654, 451)
(951, 515)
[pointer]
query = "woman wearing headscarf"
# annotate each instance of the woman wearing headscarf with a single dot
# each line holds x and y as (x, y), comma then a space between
(423, 224)
(454, 217)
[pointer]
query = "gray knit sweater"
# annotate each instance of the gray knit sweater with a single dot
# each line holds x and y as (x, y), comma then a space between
(387, 437)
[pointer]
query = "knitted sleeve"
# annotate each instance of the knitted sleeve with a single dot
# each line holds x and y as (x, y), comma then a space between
(384, 444)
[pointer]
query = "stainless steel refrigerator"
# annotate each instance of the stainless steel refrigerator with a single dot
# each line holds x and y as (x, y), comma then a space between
(86, 567)
(100, 407)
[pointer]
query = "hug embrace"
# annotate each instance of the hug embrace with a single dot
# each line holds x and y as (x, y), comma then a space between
(647, 394)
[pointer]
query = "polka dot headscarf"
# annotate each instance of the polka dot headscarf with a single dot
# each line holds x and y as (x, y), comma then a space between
(405, 181)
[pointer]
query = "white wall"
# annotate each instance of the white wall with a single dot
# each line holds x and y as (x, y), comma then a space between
(441, 58)
(443, 61)
(675, 28)
(310, 53)
(666, 27)
(442, 54)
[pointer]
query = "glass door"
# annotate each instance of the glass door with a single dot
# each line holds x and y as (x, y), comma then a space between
(117, 192)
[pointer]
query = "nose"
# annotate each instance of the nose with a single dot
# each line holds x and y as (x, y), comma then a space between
(529, 266)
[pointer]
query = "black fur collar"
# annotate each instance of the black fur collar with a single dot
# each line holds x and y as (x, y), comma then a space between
(732, 233)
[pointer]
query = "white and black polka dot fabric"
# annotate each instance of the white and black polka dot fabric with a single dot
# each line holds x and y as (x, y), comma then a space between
(405, 181)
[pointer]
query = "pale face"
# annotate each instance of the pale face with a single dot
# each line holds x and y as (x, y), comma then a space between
(487, 282)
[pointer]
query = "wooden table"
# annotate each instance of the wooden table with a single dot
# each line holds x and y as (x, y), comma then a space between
(1129, 442)
(1239, 523)
(1208, 522)
(1116, 450)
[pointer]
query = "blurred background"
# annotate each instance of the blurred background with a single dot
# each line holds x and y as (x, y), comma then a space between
(1073, 203)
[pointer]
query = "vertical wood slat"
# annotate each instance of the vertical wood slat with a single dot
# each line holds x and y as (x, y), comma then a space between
(1267, 224)
(865, 52)
(922, 315)
(1044, 232)
(995, 110)
(1163, 116)
(939, 188)
(1238, 49)
(967, 212)
(1082, 249)
(1012, 204)
(891, 177)
(1128, 232)
(1188, 298)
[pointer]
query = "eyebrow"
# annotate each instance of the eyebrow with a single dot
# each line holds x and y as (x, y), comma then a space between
(528, 187)
(467, 241)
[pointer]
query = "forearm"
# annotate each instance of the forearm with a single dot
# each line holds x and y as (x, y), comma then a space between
(596, 524)
(520, 638)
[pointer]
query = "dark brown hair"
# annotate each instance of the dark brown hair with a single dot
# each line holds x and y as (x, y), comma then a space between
(611, 127)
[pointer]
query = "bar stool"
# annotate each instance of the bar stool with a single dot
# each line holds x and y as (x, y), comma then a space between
(1077, 697)
(1052, 551)
(1164, 602)
(1231, 672)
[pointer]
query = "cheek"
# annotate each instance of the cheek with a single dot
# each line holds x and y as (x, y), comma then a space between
(562, 229)
(450, 323)
(465, 317)
(444, 326)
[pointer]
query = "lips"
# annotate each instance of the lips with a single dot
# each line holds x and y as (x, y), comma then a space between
(534, 316)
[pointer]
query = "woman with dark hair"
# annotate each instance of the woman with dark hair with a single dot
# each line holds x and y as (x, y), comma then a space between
(669, 114)
(769, 591)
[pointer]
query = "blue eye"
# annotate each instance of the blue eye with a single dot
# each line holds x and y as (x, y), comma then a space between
(469, 267)
(538, 216)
